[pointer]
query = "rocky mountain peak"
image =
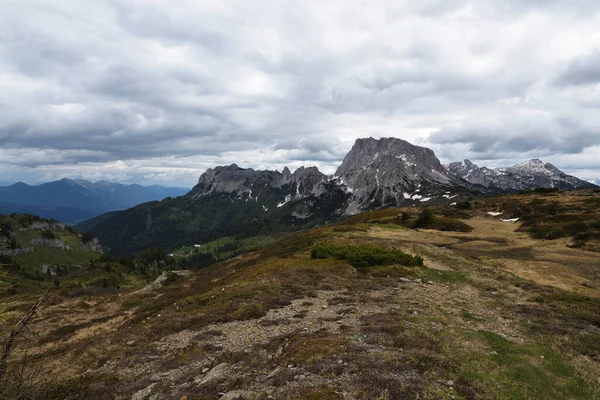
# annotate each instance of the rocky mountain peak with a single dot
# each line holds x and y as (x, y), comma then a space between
(537, 166)
(391, 171)
(365, 152)
(467, 163)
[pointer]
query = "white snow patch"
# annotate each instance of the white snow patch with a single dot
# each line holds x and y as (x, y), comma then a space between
(424, 199)
(265, 208)
(494, 214)
(453, 204)
(417, 196)
(404, 158)
(283, 203)
(510, 220)
(406, 195)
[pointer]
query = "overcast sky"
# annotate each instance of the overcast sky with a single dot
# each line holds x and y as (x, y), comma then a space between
(156, 91)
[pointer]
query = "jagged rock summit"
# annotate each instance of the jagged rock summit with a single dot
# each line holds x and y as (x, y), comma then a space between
(391, 171)
(247, 183)
(527, 175)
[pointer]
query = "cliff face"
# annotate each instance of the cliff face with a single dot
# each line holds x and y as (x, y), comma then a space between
(391, 171)
(249, 183)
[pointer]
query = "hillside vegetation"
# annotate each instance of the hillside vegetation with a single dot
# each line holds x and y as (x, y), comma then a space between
(341, 312)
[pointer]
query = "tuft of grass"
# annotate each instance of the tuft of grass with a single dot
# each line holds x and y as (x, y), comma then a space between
(467, 315)
(248, 311)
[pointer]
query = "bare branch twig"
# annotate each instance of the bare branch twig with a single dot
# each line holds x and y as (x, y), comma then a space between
(19, 327)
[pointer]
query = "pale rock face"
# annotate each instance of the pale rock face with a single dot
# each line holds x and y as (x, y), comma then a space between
(528, 175)
(383, 172)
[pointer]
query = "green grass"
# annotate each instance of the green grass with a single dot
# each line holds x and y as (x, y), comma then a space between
(46, 255)
(52, 256)
(225, 248)
(522, 371)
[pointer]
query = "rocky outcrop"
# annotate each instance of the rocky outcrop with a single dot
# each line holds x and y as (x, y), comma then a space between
(528, 175)
(44, 226)
(162, 278)
(40, 242)
(94, 245)
(16, 252)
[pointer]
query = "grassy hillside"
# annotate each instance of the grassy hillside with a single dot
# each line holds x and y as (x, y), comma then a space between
(341, 312)
(186, 220)
(33, 242)
(35, 251)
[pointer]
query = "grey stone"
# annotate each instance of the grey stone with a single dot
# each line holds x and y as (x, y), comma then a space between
(239, 395)
(144, 393)
(216, 374)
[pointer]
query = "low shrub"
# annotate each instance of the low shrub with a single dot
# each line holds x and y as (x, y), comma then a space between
(48, 235)
(427, 220)
(364, 256)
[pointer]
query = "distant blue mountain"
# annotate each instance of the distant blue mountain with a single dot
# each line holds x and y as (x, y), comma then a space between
(71, 200)
(66, 215)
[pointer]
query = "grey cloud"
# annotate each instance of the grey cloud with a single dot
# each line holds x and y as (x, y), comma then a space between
(582, 71)
(498, 139)
(100, 81)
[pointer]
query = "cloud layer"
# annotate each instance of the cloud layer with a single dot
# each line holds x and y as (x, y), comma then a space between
(156, 91)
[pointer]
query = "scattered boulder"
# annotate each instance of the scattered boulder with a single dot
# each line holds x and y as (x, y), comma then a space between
(158, 282)
(144, 393)
(239, 395)
(216, 374)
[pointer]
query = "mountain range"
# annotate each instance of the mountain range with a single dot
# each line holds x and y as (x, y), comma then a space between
(234, 201)
(71, 201)
(528, 175)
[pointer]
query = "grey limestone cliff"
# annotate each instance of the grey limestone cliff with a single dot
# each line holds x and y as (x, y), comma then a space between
(391, 171)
